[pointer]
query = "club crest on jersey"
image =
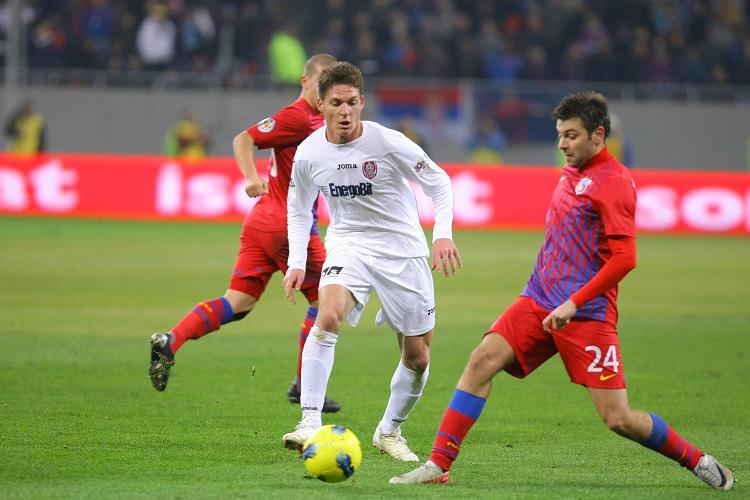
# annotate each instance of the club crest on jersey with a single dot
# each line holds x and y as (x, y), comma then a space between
(583, 185)
(266, 124)
(421, 165)
(370, 169)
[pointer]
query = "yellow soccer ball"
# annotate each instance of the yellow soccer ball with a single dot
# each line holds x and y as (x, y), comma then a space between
(332, 454)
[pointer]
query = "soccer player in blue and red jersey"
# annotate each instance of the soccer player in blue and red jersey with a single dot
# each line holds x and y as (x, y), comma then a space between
(264, 247)
(569, 304)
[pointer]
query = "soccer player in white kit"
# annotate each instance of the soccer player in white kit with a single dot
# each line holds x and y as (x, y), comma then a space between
(374, 242)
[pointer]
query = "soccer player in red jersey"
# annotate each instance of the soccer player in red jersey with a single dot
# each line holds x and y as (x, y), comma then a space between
(569, 304)
(264, 247)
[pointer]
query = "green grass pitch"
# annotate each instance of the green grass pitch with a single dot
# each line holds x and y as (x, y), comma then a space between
(79, 418)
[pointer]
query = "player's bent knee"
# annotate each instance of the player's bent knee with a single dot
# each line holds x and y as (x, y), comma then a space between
(418, 362)
(483, 359)
(329, 320)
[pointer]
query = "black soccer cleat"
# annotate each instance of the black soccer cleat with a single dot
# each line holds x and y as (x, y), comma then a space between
(162, 360)
(329, 405)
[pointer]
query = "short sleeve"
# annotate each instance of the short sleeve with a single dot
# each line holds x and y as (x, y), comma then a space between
(616, 200)
(288, 127)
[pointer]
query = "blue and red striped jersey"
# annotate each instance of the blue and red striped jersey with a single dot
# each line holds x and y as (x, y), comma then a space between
(589, 205)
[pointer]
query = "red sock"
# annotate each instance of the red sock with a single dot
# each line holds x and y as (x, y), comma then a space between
(307, 324)
(666, 441)
(462, 412)
(205, 317)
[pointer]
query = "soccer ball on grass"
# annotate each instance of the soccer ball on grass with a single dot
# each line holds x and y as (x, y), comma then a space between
(332, 454)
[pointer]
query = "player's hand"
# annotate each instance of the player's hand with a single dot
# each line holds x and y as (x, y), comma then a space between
(293, 281)
(255, 186)
(445, 256)
(560, 317)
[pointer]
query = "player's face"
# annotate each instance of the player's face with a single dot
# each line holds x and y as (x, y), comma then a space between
(575, 143)
(342, 111)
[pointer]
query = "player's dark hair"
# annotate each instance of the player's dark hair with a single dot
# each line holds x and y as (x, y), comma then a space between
(340, 73)
(591, 107)
(316, 62)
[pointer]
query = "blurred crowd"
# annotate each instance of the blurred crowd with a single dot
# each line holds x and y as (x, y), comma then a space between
(661, 41)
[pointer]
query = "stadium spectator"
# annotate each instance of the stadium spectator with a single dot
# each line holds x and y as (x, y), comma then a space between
(286, 55)
(96, 26)
(187, 140)
(156, 39)
(407, 126)
(196, 36)
(26, 130)
(263, 242)
(590, 234)
(48, 44)
(374, 241)
(487, 143)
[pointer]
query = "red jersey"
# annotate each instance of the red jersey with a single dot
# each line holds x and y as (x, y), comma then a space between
(283, 132)
(588, 206)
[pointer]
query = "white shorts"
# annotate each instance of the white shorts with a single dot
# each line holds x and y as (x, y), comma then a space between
(404, 287)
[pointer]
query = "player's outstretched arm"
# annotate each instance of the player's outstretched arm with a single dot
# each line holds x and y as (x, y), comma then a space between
(244, 154)
(445, 257)
(293, 281)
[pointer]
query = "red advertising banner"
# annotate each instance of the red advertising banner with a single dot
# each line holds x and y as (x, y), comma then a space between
(155, 187)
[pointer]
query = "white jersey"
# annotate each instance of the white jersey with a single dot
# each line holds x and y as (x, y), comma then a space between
(365, 182)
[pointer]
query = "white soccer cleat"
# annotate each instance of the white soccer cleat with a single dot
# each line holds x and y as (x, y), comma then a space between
(295, 440)
(395, 445)
(713, 473)
(428, 472)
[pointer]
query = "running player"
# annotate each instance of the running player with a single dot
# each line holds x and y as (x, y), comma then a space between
(263, 243)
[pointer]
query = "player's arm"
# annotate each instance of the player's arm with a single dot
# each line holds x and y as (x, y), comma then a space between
(300, 200)
(437, 185)
(617, 267)
(243, 146)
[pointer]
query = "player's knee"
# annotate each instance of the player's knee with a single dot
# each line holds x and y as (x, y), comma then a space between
(417, 362)
(481, 359)
(329, 320)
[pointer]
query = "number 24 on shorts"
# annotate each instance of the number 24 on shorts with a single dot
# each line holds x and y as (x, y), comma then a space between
(610, 359)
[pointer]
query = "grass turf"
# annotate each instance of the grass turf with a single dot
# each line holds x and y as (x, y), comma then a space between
(79, 300)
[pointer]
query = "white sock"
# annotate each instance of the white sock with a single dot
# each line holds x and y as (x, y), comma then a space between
(317, 362)
(406, 389)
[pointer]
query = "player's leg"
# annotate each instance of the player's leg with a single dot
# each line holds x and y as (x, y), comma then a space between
(517, 344)
(336, 302)
(204, 318)
(407, 384)
(591, 353)
(316, 255)
(208, 316)
(653, 432)
(252, 271)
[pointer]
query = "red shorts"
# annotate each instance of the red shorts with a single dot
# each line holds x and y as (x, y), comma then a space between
(261, 254)
(589, 349)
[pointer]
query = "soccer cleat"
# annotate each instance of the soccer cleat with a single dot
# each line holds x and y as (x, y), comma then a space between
(329, 405)
(162, 360)
(710, 471)
(296, 440)
(428, 472)
(395, 445)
